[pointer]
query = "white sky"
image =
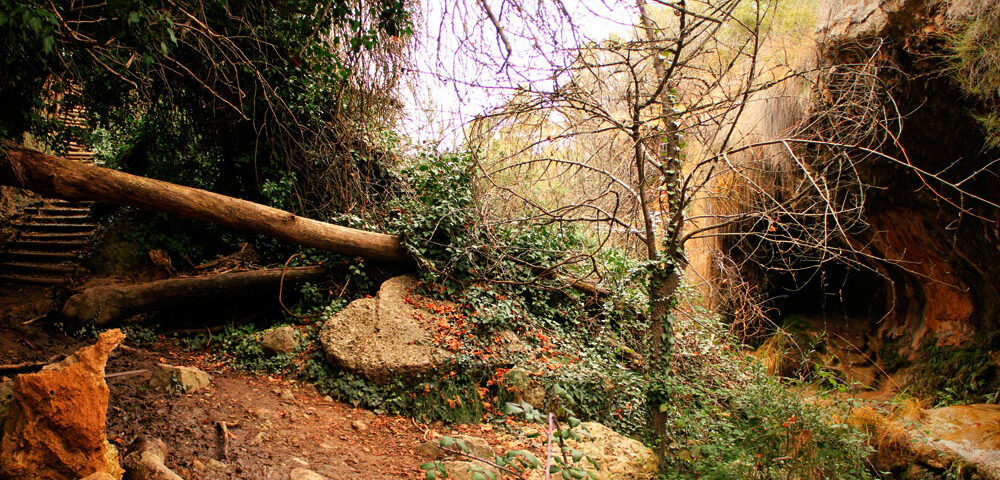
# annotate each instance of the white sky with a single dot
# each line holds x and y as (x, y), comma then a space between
(459, 57)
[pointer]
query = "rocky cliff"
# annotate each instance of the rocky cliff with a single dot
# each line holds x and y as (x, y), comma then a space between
(931, 245)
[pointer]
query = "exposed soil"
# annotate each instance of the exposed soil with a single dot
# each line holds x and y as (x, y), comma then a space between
(274, 424)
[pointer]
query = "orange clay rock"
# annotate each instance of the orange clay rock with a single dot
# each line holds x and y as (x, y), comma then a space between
(54, 429)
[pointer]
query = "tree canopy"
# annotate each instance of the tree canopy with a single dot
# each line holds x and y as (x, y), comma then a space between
(255, 95)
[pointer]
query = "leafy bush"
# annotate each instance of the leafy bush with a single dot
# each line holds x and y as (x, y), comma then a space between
(975, 65)
(953, 375)
(728, 419)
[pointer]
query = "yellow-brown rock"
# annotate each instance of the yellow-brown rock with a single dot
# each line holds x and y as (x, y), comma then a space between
(55, 427)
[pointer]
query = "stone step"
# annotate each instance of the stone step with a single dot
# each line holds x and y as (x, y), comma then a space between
(21, 256)
(58, 211)
(29, 267)
(61, 219)
(57, 227)
(33, 279)
(58, 202)
(48, 245)
(54, 236)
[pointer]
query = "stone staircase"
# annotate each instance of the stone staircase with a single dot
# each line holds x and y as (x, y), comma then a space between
(52, 232)
(50, 236)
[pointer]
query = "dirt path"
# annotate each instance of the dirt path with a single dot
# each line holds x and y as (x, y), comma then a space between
(275, 424)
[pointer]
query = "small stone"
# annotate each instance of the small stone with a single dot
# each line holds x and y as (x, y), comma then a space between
(359, 425)
(181, 379)
(197, 465)
(262, 413)
(286, 395)
(214, 464)
(298, 462)
(281, 340)
(304, 474)
(327, 398)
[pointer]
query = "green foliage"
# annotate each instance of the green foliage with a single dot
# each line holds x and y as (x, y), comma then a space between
(727, 419)
(953, 375)
(254, 99)
(975, 66)
(240, 345)
(139, 334)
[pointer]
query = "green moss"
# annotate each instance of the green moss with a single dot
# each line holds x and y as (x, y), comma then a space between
(953, 375)
(890, 357)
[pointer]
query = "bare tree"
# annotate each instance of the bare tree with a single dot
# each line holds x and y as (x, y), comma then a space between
(687, 126)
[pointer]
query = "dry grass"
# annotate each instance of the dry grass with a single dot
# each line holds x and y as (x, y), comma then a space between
(885, 427)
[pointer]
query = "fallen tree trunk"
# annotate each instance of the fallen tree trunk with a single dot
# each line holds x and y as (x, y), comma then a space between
(106, 304)
(58, 177)
(50, 175)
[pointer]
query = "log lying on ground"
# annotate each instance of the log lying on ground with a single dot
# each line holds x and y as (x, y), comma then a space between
(106, 304)
(58, 177)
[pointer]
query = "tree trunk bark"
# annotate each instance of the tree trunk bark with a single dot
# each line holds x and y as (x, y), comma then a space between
(106, 304)
(58, 177)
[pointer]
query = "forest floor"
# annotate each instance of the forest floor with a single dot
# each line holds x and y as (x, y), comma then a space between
(275, 424)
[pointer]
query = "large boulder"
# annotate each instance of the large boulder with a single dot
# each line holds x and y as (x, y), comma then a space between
(968, 432)
(386, 336)
(620, 457)
(54, 428)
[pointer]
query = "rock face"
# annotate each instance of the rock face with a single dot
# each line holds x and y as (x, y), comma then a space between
(180, 379)
(969, 432)
(385, 336)
(54, 429)
(281, 340)
(946, 291)
(936, 283)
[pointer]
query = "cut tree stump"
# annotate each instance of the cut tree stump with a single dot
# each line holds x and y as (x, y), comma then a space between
(106, 304)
